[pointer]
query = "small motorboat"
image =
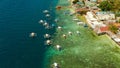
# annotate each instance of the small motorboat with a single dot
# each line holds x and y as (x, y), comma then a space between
(41, 21)
(56, 20)
(70, 33)
(47, 15)
(48, 42)
(45, 11)
(55, 65)
(33, 34)
(64, 36)
(75, 19)
(48, 27)
(59, 28)
(45, 24)
(58, 47)
(79, 23)
(47, 36)
(78, 32)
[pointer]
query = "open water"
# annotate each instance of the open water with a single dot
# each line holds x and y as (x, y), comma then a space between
(18, 18)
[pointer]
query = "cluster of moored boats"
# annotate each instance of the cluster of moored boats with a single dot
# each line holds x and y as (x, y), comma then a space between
(48, 36)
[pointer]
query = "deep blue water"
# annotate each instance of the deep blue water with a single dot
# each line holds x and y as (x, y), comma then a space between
(17, 19)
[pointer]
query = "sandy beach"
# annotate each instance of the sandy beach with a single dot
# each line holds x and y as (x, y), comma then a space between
(84, 49)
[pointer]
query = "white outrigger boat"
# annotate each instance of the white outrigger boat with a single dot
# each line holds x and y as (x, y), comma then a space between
(33, 34)
(45, 11)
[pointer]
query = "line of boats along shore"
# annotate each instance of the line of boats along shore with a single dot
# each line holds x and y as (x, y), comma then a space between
(48, 36)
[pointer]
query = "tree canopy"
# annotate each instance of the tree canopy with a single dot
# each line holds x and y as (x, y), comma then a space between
(106, 6)
(75, 1)
(113, 28)
(110, 5)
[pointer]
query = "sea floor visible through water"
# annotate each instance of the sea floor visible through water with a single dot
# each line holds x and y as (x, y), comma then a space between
(86, 50)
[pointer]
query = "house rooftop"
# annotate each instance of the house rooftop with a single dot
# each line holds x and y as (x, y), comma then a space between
(117, 25)
(104, 29)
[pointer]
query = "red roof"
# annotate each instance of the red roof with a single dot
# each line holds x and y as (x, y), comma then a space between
(103, 29)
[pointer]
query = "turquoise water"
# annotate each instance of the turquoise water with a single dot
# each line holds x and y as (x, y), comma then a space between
(17, 19)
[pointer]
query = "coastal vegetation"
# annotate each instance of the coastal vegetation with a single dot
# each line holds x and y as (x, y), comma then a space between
(105, 6)
(83, 12)
(82, 18)
(110, 5)
(75, 1)
(113, 28)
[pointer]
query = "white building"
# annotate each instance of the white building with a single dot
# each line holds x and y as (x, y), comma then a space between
(105, 16)
(92, 21)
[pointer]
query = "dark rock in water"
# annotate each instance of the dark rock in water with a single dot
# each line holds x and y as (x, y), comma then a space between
(85, 25)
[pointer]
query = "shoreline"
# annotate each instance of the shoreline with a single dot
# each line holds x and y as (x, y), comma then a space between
(84, 50)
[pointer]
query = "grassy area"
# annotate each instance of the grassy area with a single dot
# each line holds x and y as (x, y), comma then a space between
(82, 18)
(84, 50)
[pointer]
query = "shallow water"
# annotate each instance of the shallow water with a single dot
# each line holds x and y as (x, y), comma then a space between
(86, 50)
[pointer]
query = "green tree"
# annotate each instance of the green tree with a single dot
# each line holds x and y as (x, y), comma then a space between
(115, 4)
(75, 1)
(83, 12)
(113, 28)
(83, 2)
(105, 6)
